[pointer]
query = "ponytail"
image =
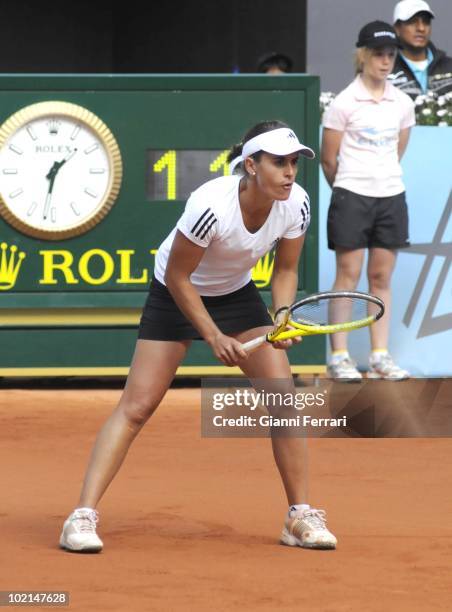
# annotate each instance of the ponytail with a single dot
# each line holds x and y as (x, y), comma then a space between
(235, 151)
(259, 128)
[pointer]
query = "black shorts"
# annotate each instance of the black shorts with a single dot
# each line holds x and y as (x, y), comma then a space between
(360, 222)
(233, 313)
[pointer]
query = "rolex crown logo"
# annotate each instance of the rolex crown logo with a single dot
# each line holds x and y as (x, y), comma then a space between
(262, 271)
(54, 126)
(9, 265)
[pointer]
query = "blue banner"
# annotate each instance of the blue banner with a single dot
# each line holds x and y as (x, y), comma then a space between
(421, 322)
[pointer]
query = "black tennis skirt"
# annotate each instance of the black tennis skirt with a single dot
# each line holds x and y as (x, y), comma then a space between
(233, 313)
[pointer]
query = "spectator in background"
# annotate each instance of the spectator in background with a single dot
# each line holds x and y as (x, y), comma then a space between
(419, 65)
(366, 131)
(274, 63)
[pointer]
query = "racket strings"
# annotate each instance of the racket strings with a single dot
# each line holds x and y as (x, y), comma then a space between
(334, 311)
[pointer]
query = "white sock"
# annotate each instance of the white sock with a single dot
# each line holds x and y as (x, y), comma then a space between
(337, 356)
(377, 354)
(293, 509)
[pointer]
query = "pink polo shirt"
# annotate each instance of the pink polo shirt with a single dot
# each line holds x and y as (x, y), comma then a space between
(368, 158)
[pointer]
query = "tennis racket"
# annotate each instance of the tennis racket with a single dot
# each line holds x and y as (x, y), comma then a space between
(322, 313)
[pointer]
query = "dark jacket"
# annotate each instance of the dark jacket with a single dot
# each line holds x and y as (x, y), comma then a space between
(404, 79)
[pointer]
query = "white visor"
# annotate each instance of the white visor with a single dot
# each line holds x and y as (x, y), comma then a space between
(281, 141)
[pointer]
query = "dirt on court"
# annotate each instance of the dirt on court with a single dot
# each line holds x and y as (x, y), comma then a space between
(193, 523)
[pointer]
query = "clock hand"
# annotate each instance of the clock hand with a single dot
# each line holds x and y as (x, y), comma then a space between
(51, 177)
(49, 194)
(47, 205)
(68, 156)
(52, 172)
(57, 165)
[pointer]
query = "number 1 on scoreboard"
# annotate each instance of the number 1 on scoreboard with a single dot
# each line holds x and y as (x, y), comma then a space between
(168, 161)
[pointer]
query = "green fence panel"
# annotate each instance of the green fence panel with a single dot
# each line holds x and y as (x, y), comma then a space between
(74, 298)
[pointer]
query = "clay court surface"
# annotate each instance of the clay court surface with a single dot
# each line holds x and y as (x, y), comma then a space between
(193, 524)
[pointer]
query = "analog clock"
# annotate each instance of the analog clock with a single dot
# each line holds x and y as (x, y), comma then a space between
(60, 170)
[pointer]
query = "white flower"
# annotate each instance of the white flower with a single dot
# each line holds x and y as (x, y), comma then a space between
(420, 100)
(426, 111)
(443, 124)
(441, 101)
(442, 112)
(326, 98)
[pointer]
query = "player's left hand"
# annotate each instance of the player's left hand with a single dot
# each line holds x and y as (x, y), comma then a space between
(286, 344)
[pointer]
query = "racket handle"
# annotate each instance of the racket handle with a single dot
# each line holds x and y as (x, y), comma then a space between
(252, 345)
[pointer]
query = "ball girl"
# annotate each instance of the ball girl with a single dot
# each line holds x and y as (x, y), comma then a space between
(366, 131)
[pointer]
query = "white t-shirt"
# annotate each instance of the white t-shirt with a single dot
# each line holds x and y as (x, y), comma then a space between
(213, 219)
(368, 155)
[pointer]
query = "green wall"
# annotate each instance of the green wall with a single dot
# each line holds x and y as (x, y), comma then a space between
(143, 112)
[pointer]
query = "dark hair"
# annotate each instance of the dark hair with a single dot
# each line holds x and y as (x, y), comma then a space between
(259, 128)
(274, 59)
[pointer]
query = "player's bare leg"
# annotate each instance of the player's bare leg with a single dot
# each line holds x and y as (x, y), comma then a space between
(153, 368)
(303, 526)
(265, 364)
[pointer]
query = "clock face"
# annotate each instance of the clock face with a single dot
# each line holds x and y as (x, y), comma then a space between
(60, 170)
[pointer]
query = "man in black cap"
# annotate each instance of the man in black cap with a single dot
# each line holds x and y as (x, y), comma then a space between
(274, 63)
(419, 65)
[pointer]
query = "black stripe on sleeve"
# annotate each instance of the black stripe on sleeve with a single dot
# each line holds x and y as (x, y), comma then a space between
(304, 214)
(212, 223)
(208, 222)
(205, 222)
(199, 221)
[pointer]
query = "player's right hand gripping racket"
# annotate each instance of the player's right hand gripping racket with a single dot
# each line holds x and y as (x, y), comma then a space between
(322, 313)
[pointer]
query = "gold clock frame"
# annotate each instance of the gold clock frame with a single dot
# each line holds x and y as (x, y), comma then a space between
(103, 133)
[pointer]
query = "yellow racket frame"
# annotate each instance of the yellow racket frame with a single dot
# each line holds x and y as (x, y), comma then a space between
(280, 332)
(312, 330)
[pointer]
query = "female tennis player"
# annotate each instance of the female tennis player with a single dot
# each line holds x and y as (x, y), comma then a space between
(366, 131)
(202, 288)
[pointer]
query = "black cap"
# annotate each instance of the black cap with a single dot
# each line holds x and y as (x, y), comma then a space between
(377, 34)
(283, 62)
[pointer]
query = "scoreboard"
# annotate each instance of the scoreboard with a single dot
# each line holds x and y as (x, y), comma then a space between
(94, 173)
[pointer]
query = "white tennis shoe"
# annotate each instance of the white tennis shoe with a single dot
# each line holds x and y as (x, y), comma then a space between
(383, 367)
(344, 369)
(307, 528)
(79, 531)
